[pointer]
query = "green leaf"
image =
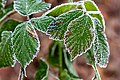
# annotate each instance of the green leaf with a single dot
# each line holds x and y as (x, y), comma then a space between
(42, 23)
(79, 36)
(101, 46)
(28, 7)
(68, 63)
(90, 56)
(25, 43)
(56, 11)
(3, 2)
(53, 52)
(90, 6)
(66, 76)
(8, 25)
(91, 61)
(100, 18)
(5, 10)
(6, 54)
(42, 72)
(59, 26)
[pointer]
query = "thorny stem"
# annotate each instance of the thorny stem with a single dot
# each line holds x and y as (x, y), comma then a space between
(97, 75)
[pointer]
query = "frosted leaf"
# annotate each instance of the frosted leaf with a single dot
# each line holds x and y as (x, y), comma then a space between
(93, 10)
(101, 45)
(42, 71)
(25, 43)
(60, 24)
(5, 10)
(79, 36)
(42, 23)
(90, 6)
(63, 8)
(6, 54)
(90, 56)
(28, 7)
(69, 64)
(8, 25)
(100, 18)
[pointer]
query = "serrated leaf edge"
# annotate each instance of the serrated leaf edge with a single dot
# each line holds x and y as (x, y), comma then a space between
(90, 44)
(56, 39)
(108, 48)
(39, 29)
(32, 12)
(14, 61)
(103, 20)
(94, 12)
(37, 49)
(108, 54)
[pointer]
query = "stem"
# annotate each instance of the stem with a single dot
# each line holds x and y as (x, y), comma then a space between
(21, 75)
(60, 57)
(70, 0)
(97, 75)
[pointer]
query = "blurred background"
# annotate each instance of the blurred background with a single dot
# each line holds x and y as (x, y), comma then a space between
(111, 12)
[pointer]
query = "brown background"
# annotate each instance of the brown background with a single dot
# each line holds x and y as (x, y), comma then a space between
(111, 11)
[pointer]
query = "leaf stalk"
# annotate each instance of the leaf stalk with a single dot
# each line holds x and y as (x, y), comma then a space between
(97, 75)
(60, 58)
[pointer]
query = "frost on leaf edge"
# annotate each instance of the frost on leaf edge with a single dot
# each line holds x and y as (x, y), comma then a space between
(108, 48)
(92, 42)
(31, 12)
(37, 48)
(56, 39)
